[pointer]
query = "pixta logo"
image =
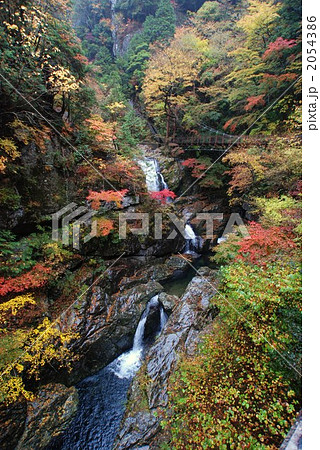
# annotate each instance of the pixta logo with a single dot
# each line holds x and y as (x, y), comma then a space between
(68, 216)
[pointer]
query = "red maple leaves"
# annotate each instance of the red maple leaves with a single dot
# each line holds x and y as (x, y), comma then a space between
(278, 45)
(196, 166)
(264, 244)
(253, 101)
(163, 195)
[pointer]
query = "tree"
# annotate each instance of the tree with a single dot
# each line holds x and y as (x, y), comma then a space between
(163, 195)
(172, 75)
(106, 196)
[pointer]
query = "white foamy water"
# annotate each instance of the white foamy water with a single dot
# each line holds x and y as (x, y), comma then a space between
(129, 363)
(154, 179)
(193, 242)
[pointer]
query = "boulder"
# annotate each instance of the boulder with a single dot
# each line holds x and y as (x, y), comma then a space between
(168, 302)
(181, 335)
(48, 416)
(12, 420)
(106, 326)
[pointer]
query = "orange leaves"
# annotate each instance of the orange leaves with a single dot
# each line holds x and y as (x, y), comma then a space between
(254, 101)
(231, 124)
(103, 132)
(105, 226)
(197, 167)
(106, 196)
(37, 277)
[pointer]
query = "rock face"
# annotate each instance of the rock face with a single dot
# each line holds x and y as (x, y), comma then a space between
(165, 270)
(106, 326)
(48, 416)
(149, 390)
(12, 419)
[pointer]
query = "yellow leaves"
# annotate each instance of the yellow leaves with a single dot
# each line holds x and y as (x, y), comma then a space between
(12, 389)
(15, 304)
(116, 107)
(9, 148)
(11, 26)
(173, 71)
(258, 22)
(22, 132)
(61, 80)
(45, 344)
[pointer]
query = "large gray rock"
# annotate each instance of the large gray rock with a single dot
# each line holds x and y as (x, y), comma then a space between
(161, 271)
(48, 416)
(12, 420)
(169, 302)
(105, 325)
(148, 396)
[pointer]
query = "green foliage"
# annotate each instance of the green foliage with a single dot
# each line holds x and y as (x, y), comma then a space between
(137, 10)
(238, 392)
(210, 11)
(161, 26)
(276, 211)
(18, 256)
(132, 131)
(227, 251)
(158, 27)
(9, 198)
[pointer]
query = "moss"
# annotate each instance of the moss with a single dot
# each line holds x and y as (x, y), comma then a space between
(11, 346)
(9, 198)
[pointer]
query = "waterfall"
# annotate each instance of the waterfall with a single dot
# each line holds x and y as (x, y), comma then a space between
(114, 27)
(193, 242)
(128, 363)
(102, 396)
(154, 178)
(163, 318)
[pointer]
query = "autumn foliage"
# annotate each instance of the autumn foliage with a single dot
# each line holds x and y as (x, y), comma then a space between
(106, 196)
(163, 195)
(36, 278)
(278, 45)
(264, 245)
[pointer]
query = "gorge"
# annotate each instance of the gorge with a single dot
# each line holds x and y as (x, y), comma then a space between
(182, 336)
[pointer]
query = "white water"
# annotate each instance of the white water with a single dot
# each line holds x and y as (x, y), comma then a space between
(114, 28)
(129, 363)
(102, 397)
(163, 318)
(154, 178)
(193, 242)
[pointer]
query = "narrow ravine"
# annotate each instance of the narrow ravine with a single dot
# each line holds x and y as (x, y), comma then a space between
(102, 397)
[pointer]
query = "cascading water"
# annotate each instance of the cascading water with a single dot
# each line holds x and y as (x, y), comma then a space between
(154, 178)
(114, 27)
(163, 318)
(193, 242)
(103, 396)
(128, 363)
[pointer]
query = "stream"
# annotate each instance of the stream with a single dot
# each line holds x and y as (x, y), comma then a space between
(102, 396)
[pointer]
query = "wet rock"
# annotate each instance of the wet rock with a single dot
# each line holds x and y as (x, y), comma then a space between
(160, 271)
(106, 326)
(137, 431)
(168, 301)
(48, 416)
(182, 333)
(12, 419)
